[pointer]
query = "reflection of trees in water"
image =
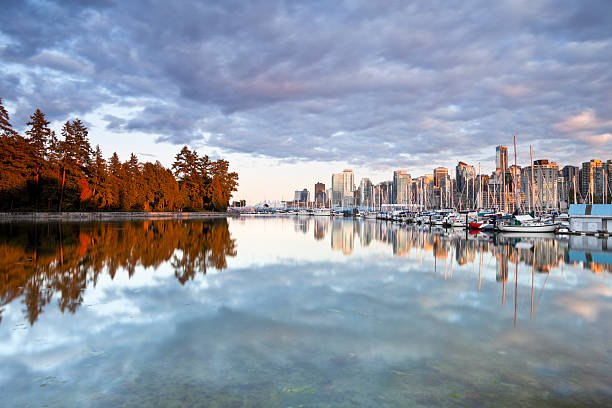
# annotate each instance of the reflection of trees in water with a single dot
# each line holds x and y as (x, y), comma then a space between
(40, 260)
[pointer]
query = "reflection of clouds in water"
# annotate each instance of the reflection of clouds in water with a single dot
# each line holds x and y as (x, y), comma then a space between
(287, 308)
(588, 303)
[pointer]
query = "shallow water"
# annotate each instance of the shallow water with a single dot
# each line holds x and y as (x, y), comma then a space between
(300, 311)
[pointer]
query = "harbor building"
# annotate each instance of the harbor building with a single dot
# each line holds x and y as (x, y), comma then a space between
(591, 218)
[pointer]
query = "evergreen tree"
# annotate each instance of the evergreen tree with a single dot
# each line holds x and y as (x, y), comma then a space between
(223, 184)
(99, 175)
(188, 169)
(67, 173)
(113, 184)
(5, 125)
(39, 135)
(14, 167)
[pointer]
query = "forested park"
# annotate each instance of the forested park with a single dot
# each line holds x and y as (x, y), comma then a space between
(41, 171)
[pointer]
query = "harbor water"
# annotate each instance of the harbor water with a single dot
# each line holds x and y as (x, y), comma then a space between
(292, 311)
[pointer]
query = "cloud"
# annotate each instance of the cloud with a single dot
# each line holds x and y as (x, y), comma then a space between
(281, 78)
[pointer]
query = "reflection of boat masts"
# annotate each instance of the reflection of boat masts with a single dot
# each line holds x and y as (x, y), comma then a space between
(542, 290)
(451, 262)
(532, 278)
(504, 277)
(479, 270)
(515, 288)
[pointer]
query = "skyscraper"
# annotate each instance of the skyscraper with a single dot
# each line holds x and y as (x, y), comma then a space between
(543, 193)
(319, 193)
(571, 183)
(592, 181)
(365, 193)
(348, 182)
(301, 197)
(440, 174)
(501, 158)
(348, 198)
(337, 189)
(464, 174)
(401, 186)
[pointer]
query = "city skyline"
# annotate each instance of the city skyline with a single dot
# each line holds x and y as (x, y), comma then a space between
(542, 183)
(289, 93)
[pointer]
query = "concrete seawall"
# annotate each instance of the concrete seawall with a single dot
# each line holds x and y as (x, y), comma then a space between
(106, 216)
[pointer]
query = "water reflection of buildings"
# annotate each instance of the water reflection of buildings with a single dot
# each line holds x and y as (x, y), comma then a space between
(343, 236)
(542, 252)
(320, 228)
(302, 224)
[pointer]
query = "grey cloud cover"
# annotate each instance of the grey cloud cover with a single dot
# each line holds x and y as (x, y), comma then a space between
(391, 83)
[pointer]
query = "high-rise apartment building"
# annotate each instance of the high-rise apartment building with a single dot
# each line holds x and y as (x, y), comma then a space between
(570, 184)
(319, 193)
(440, 174)
(592, 181)
(464, 176)
(343, 188)
(501, 158)
(401, 187)
(337, 189)
(465, 193)
(543, 193)
(366, 193)
(348, 181)
(301, 197)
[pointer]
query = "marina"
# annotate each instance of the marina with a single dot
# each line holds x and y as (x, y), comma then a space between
(597, 223)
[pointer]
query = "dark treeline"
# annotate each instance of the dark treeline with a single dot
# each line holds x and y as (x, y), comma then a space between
(43, 172)
(40, 261)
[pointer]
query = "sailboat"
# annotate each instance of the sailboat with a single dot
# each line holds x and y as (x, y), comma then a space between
(323, 212)
(525, 223)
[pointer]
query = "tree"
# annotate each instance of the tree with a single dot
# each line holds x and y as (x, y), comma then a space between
(99, 175)
(66, 172)
(192, 174)
(14, 168)
(223, 184)
(5, 125)
(39, 136)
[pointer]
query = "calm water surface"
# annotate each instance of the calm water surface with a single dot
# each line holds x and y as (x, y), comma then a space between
(292, 311)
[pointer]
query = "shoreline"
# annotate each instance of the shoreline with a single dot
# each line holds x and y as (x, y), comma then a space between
(107, 216)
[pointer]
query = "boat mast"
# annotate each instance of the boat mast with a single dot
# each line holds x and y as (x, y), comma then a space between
(479, 188)
(591, 183)
(517, 197)
(532, 185)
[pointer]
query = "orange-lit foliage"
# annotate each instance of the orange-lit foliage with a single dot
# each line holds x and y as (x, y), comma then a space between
(40, 260)
(43, 172)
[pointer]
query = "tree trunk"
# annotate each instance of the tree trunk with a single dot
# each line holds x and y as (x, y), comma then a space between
(62, 190)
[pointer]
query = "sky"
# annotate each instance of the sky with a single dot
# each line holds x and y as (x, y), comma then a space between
(290, 91)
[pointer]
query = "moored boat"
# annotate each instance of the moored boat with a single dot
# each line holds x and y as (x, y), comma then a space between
(529, 227)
